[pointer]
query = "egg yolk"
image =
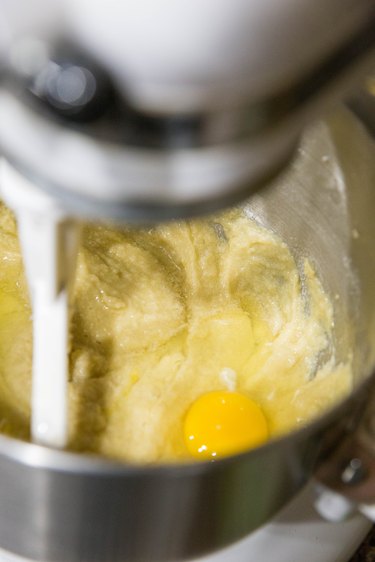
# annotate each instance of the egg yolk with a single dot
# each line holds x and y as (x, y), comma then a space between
(223, 423)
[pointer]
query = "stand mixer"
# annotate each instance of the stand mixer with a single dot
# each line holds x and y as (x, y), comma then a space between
(177, 110)
(144, 111)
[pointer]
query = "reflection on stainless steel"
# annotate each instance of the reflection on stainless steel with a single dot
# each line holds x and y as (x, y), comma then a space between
(363, 104)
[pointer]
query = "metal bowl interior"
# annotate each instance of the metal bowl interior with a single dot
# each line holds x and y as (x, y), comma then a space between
(323, 209)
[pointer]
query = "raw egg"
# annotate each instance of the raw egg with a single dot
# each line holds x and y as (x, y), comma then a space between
(223, 423)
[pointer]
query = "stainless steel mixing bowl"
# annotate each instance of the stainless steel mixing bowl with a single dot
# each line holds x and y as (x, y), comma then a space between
(57, 506)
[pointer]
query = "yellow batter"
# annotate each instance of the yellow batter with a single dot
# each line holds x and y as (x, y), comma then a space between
(161, 317)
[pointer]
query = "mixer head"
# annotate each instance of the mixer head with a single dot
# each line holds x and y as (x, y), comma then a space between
(146, 111)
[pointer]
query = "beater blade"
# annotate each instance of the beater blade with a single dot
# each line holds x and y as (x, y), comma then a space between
(49, 241)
